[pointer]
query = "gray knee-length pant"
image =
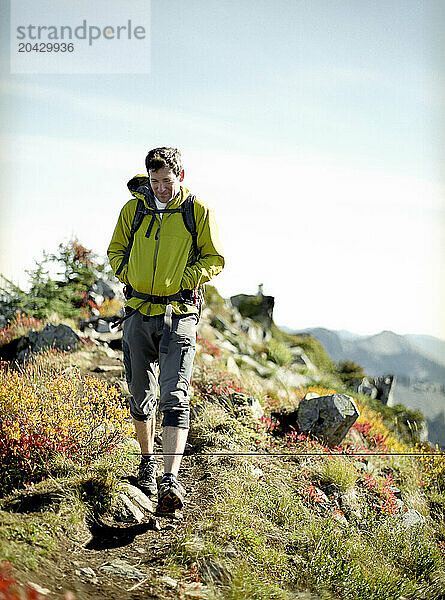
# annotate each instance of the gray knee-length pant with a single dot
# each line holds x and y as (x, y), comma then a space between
(144, 363)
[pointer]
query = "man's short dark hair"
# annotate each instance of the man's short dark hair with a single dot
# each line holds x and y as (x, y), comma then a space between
(159, 158)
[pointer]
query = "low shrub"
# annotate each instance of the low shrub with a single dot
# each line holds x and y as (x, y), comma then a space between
(45, 411)
(350, 373)
(279, 353)
(208, 347)
(9, 589)
(18, 326)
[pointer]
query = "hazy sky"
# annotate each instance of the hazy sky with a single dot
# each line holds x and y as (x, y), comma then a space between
(313, 128)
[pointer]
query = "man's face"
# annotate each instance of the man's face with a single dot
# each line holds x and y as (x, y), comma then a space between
(165, 183)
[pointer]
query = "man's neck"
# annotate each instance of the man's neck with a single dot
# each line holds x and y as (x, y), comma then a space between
(165, 203)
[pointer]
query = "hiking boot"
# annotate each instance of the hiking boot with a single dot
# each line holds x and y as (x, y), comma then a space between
(147, 475)
(170, 494)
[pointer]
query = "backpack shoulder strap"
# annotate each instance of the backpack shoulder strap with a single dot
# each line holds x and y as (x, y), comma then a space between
(139, 214)
(188, 215)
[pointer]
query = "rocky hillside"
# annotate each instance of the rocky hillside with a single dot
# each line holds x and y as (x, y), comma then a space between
(275, 508)
(385, 352)
(414, 361)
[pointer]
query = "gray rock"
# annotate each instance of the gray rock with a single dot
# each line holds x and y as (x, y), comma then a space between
(300, 357)
(232, 367)
(385, 388)
(289, 378)
(206, 358)
(118, 354)
(125, 511)
(108, 368)
(122, 569)
(221, 324)
(102, 326)
(60, 337)
(38, 588)
(254, 332)
(104, 338)
(169, 581)
(88, 573)
(155, 525)
(327, 417)
(136, 495)
(367, 388)
(395, 490)
(253, 364)
(325, 499)
(103, 288)
(243, 400)
(258, 308)
(226, 345)
(412, 518)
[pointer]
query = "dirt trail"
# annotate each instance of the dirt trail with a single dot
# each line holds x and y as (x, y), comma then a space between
(142, 545)
(91, 546)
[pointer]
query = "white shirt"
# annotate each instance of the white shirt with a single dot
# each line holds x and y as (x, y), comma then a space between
(160, 205)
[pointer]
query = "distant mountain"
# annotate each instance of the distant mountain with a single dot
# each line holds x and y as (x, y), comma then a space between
(348, 335)
(430, 346)
(385, 352)
(412, 358)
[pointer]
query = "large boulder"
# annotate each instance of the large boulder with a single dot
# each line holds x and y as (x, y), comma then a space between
(327, 417)
(385, 388)
(61, 337)
(367, 387)
(102, 289)
(258, 308)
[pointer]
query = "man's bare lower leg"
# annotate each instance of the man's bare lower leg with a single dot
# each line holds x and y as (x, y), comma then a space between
(173, 442)
(145, 432)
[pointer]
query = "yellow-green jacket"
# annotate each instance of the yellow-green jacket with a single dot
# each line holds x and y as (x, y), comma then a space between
(162, 264)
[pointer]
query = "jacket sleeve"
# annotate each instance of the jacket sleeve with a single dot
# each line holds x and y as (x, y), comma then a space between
(119, 241)
(211, 259)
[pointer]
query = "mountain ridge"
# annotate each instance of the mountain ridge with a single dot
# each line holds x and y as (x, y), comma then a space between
(381, 353)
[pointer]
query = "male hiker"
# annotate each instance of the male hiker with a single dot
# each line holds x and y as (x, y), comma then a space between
(165, 245)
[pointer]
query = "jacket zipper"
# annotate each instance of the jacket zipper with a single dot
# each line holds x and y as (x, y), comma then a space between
(156, 255)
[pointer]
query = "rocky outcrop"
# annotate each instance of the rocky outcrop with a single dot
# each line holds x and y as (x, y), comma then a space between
(259, 307)
(380, 388)
(385, 387)
(60, 337)
(328, 418)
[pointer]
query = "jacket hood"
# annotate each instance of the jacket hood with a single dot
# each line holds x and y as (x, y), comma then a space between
(141, 189)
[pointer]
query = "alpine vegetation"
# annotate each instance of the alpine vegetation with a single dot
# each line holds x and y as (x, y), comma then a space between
(297, 486)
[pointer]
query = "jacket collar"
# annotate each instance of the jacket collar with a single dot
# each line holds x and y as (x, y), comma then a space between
(140, 187)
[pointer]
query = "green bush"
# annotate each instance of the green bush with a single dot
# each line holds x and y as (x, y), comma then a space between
(97, 492)
(279, 353)
(212, 296)
(311, 347)
(350, 373)
(65, 293)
